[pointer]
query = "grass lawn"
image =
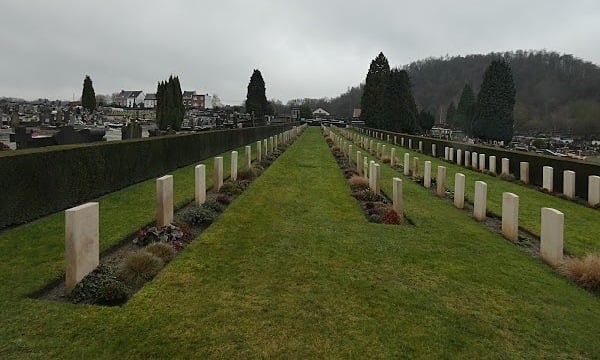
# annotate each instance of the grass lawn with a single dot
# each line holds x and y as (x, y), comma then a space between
(293, 269)
(581, 223)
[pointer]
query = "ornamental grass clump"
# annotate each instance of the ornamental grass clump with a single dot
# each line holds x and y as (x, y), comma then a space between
(140, 267)
(165, 252)
(359, 183)
(585, 271)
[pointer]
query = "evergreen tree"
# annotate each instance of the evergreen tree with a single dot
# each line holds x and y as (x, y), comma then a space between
(256, 99)
(495, 103)
(169, 107)
(372, 99)
(465, 110)
(450, 111)
(88, 96)
(305, 111)
(399, 109)
(426, 120)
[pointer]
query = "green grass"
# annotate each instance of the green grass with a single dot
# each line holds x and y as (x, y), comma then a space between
(581, 222)
(292, 269)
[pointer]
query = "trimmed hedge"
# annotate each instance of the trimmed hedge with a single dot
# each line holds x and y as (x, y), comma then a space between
(42, 181)
(536, 162)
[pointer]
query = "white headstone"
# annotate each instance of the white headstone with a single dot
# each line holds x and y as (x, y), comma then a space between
(234, 163)
(492, 165)
(393, 157)
(410, 143)
(441, 181)
(420, 146)
(505, 166)
(402, 142)
(200, 184)
(164, 200)
(218, 173)
(569, 184)
(372, 175)
(510, 216)
(459, 190)
(350, 153)
(366, 168)
(427, 175)
(451, 154)
(82, 243)
(377, 173)
(480, 201)
(415, 167)
(446, 153)
(258, 153)
(524, 172)
(548, 178)
(433, 152)
(459, 157)
(358, 162)
(383, 150)
(406, 164)
(467, 158)
(482, 162)
(593, 190)
(398, 204)
(474, 160)
(551, 236)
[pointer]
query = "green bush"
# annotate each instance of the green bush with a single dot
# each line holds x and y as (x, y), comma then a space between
(366, 195)
(165, 234)
(200, 215)
(101, 286)
(79, 173)
(140, 267)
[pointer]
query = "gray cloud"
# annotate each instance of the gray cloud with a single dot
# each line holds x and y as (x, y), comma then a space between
(303, 49)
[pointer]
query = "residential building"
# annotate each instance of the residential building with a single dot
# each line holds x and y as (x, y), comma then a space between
(198, 101)
(150, 101)
(129, 99)
(188, 98)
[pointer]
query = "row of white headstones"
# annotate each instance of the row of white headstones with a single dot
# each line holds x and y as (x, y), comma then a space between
(82, 223)
(552, 220)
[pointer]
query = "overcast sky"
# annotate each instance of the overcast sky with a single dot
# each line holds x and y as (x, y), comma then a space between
(302, 48)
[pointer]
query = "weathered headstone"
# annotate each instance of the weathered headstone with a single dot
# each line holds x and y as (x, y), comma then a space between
(446, 153)
(467, 158)
(82, 239)
(548, 178)
(406, 164)
(402, 142)
(433, 152)
(474, 161)
(593, 190)
(459, 157)
(480, 200)
(358, 162)
(551, 236)
(510, 216)
(218, 173)
(258, 152)
(492, 165)
(420, 146)
(234, 164)
(427, 175)
(397, 200)
(441, 181)
(482, 162)
(524, 172)
(266, 147)
(505, 167)
(410, 143)
(164, 200)
(366, 168)
(459, 190)
(248, 158)
(451, 154)
(350, 153)
(569, 184)
(377, 179)
(393, 157)
(200, 184)
(395, 140)
(383, 151)
(415, 167)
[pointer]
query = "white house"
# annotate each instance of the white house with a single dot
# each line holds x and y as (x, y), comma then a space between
(320, 112)
(150, 101)
(128, 98)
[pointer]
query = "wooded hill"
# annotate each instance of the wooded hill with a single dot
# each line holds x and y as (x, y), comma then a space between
(555, 93)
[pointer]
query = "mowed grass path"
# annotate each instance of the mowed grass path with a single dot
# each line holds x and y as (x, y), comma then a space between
(582, 224)
(292, 269)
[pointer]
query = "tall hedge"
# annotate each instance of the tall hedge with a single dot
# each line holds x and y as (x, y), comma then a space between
(42, 181)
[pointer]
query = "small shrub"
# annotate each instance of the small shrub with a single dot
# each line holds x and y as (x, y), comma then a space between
(374, 218)
(585, 272)
(101, 286)
(215, 205)
(366, 195)
(359, 183)
(200, 215)
(224, 199)
(232, 187)
(140, 267)
(391, 217)
(247, 174)
(165, 234)
(163, 251)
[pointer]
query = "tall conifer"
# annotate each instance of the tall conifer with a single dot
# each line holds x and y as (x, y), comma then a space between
(372, 100)
(88, 96)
